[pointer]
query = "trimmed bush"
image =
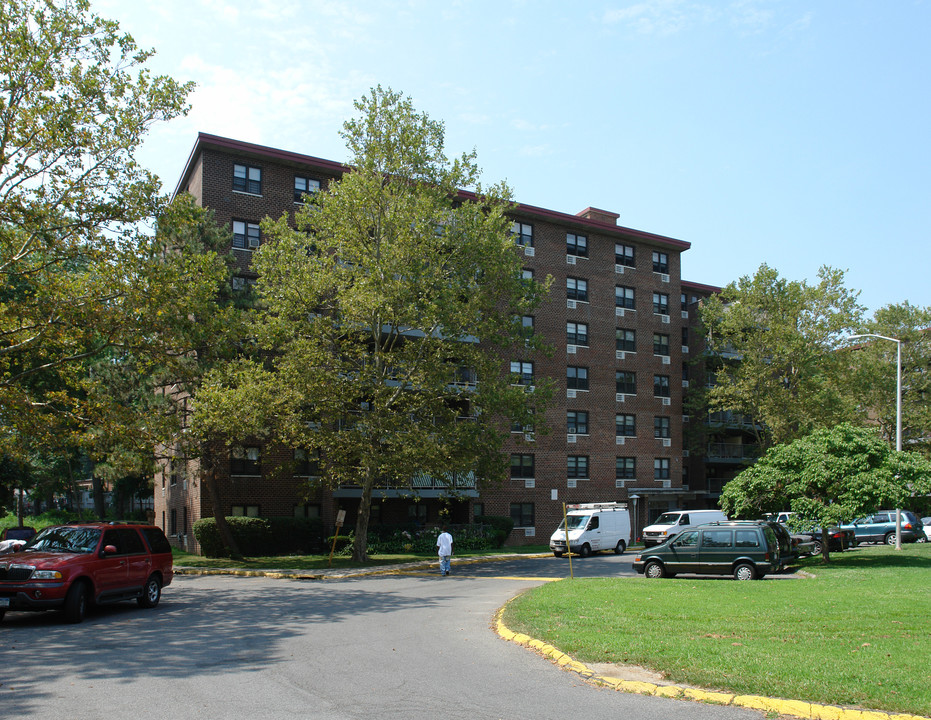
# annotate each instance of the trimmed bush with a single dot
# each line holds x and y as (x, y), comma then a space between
(502, 526)
(262, 536)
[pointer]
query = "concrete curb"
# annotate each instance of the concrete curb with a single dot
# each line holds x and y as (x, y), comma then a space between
(795, 708)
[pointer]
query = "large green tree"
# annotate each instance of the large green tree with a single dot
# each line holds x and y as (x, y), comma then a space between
(392, 308)
(873, 378)
(771, 348)
(830, 476)
(76, 101)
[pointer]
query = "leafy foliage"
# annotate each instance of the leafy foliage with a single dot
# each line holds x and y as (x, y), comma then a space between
(829, 477)
(774, 341)
(388, 318)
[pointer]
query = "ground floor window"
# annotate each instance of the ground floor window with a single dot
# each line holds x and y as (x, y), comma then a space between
(523, 514)
(245, 511)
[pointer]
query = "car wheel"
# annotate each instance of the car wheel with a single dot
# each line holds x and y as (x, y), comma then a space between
(76, 603)
(585, 550)
(816, 550)
(654, 570)
(620, 547)
(151, 593)
(921, 538)
(889, 539)
(745, 571)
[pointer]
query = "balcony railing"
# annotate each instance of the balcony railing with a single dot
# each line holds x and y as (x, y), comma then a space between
(732, 452)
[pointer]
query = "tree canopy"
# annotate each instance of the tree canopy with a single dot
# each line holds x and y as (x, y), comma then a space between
(76, 101)
(829, 477)
(390, 311)
(771, 347)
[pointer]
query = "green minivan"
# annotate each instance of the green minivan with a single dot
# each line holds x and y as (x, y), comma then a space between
(746, 549)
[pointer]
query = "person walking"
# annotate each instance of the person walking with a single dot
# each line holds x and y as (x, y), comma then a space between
(444, 544)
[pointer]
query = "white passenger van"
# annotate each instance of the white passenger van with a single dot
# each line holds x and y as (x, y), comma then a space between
(593, 527)
(672, 522)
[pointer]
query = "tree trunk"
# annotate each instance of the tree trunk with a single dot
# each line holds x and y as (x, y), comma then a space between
(20, 506)
(208, 477)
(825, 549)
(99, 501)
(360, 546)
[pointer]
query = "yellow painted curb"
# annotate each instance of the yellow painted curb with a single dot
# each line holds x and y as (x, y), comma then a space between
(795, 708)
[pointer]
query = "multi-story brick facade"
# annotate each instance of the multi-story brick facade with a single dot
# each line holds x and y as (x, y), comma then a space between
(619, 317)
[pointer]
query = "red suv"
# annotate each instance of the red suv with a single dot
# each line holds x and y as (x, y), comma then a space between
(69, 566)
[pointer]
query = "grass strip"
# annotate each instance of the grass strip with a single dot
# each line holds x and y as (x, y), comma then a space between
(857, 634)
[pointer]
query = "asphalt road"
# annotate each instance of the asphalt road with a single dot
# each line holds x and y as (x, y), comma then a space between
(411, 646)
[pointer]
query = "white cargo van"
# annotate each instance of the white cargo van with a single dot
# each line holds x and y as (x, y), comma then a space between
(593, 527)
(672, 522)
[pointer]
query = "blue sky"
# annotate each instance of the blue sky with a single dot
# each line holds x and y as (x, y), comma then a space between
(761, 131)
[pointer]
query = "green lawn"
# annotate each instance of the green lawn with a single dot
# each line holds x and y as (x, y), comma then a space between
(858, 633)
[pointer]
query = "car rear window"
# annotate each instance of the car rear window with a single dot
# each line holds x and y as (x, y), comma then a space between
(157, 540)
(747, 539)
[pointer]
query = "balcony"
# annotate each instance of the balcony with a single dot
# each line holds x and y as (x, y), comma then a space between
(732, 452)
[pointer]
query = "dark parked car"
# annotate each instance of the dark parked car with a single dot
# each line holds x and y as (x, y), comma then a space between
(69, 567)
(880, 527)
(746, 549)
(838, 539)
(13, 538)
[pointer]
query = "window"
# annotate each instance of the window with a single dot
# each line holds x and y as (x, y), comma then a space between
(577, 378)
(661, 263)
(577, 289)
(174, 523)
(625, 425)
(661, 386)
(625, 468)
(522, 466)
(247, 178)
(625, 382)
(417, 512)
(478, 509)
(685, 371)
(246, 235)
(747, 538)
(245, 460)
(577, 466)
(244, 511)
(685, 336)
(576, 245)
(660, 344)
(306, 464)
(661, 468)
(624, 297)
(304, 186)
(716, 539)
(524, 372)
(576, 333)
(660, 303)
(309, 510)
(577, 422)
(522, 514)
(624, 255)
(684, 299)
(626, 340)
(660, 427)
(522, 233)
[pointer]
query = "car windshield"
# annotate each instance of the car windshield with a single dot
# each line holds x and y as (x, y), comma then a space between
(575, 522)
(667, 519)
(65, 539)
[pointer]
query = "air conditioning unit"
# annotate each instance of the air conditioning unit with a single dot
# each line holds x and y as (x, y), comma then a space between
(685, 418)
(685, 349)
(531, 388)
(530, 532)
(570, 349)
(530, 483)
(571, 438)
(685, 383)
(685, 453)
(571, 304)
(570, 393)
(667, 483)
(529, 251)
(667, 442)
(253, 243)
(685, 314)
(619, 311)
(619, 354)
(570, 259)
(663, 277)
(665, 359)
(619, 483)
(667, 401)
(571, 483)
(619, 269)
(619, 439)
(528, 437)
(619, 397)
(664, 319)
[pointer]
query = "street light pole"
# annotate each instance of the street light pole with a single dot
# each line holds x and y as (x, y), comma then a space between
(898, 417)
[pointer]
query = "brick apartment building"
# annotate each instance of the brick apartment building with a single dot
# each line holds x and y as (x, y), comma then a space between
(621, 321)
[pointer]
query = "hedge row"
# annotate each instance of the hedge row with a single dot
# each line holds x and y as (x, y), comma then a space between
(300, 536)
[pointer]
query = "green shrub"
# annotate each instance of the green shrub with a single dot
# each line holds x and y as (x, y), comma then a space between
(252, 535)
(502, 526)
(296, 536)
